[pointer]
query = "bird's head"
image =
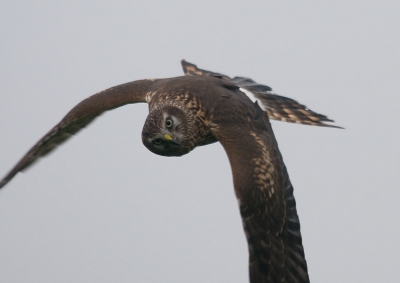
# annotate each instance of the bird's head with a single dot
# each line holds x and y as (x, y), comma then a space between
(168, 131)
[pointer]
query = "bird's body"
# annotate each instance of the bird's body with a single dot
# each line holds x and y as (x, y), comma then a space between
(202, 108)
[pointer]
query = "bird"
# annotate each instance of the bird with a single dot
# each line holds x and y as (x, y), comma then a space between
(201, 108)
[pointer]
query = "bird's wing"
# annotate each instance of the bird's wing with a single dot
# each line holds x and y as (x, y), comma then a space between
(264, 192)
(278, 107)
(191, 70)
(79, 117)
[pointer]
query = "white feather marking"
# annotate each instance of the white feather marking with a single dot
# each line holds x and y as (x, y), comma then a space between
(252, 97)
(249, 94)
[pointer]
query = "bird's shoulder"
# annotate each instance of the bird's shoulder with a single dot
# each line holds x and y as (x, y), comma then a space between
(207, 91)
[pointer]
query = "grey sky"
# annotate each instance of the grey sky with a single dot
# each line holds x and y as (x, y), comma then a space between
(103, 208)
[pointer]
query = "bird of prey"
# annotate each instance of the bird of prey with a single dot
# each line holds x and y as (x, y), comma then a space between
(202, 108)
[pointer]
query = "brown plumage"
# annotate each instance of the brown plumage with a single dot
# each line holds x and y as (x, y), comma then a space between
(278, 107)
(190, 111)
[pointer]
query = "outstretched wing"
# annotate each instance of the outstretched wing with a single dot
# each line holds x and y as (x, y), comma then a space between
(264, 192)
(278, 107)
(79, 117)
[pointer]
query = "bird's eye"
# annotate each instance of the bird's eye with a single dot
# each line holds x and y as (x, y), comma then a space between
(157, 141)
(168, 123)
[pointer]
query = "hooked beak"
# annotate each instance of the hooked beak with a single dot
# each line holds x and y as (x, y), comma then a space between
(170, 139)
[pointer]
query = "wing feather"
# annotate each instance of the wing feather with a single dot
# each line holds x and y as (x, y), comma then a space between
(264, 193)
(278, 107)
(79, 117)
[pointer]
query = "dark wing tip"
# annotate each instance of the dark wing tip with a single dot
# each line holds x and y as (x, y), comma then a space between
(24, 163)
(319, 123)
(185, 64)
(3, 183)
(334, 126)
(191, 70)
(7, 179)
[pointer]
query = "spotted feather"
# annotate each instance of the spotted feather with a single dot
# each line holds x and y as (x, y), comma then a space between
(278, 107)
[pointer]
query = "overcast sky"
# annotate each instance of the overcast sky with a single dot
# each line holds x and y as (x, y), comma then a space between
(102, 208)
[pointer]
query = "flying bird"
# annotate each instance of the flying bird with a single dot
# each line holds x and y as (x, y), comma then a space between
(201, 108)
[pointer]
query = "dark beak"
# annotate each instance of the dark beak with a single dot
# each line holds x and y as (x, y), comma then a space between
(174, 142)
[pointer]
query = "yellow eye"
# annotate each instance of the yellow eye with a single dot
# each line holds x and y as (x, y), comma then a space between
(157, 141)
(168, 123)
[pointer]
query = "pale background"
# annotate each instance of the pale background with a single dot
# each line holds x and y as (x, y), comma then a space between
(102, 208)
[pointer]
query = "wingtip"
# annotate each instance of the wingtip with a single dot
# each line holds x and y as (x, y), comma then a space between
(3, 183)
(7, 179)
(186, 63)
(339, 127)
(330, 126)
(188, 68)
